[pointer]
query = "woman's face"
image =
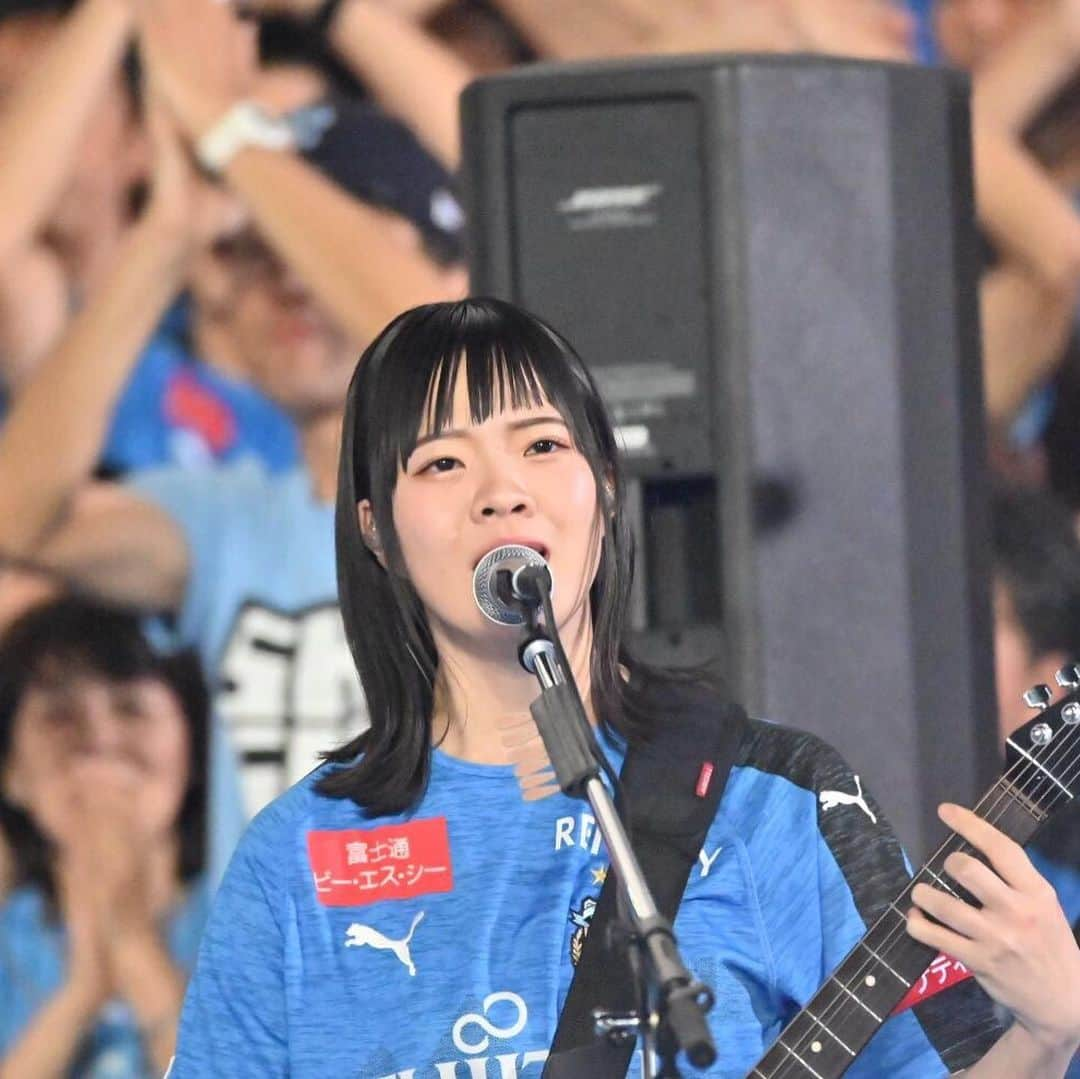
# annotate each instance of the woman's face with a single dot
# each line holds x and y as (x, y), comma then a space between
(80, 742)
(515, 478)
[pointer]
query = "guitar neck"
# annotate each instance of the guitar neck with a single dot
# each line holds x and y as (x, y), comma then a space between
(824, 1039)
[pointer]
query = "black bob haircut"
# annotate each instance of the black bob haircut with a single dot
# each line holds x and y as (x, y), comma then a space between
(403, 382)
(74, 634)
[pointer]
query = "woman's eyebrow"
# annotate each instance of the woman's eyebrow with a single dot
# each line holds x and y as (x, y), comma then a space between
(463, 432)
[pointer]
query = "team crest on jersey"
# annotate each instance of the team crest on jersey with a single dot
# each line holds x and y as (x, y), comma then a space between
(581, 920)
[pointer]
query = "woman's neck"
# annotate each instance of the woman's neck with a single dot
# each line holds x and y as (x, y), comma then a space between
(479, 694)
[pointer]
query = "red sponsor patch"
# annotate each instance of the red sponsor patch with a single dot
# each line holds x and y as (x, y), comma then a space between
(398, 861)
(942, 973)
(704, 779)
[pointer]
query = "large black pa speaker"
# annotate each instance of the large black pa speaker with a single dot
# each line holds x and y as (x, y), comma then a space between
(769, 264)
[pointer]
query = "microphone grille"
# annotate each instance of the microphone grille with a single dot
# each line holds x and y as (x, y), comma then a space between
(509, 557)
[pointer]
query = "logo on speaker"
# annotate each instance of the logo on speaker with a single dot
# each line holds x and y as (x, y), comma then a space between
(626, 206)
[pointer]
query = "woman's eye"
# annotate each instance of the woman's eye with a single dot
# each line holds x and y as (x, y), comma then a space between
(129, 707)
(543, 446)
(60, 715)
(440, 464)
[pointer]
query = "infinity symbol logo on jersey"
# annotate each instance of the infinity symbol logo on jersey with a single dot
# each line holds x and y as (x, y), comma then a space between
(502, 1016)
(492, 1031)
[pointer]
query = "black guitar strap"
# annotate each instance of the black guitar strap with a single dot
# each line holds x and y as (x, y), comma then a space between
(673, 797)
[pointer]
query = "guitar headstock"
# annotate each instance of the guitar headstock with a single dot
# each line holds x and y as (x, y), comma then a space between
(1057, 725)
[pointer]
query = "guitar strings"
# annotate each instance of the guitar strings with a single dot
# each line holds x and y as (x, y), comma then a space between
(1025, 769)
(841, 1006)
(1032, 767)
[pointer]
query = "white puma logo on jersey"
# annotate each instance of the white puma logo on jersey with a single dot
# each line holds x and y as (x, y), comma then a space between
(357, 935)
(831, 799)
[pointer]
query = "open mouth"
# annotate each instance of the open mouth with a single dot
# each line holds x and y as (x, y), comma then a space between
(540, 548)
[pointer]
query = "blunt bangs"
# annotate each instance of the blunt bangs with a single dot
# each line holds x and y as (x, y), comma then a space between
(510, 360)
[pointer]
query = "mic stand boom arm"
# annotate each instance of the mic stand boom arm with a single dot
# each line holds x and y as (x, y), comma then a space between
(671, 1015)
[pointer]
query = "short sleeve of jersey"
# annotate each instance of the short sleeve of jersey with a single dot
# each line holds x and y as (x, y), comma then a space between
(234, 1019)
(815, 907)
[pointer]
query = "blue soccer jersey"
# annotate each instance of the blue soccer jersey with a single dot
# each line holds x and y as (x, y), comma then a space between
(442, 942)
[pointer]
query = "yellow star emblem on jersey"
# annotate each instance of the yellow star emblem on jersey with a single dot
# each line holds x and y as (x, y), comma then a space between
(599, 875)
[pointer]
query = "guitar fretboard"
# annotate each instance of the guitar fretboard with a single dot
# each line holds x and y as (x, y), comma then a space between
(825, 1037)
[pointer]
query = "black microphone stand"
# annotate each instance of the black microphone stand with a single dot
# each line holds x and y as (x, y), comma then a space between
(672, 1005)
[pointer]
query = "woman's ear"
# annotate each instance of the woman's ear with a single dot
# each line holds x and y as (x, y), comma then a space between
(607, 491)
(368, 530)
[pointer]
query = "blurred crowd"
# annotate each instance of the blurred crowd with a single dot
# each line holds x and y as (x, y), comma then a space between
(176, 339)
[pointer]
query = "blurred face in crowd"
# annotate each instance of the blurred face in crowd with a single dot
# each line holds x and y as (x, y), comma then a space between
(283, 340)
(78, 737)
(111, 156)
(970, 30)
(290, 348)
(1016, 668)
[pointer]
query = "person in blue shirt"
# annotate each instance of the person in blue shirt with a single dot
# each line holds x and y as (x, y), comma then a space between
(417, 904)
(178, 409)
(103, 804)
(238, 557)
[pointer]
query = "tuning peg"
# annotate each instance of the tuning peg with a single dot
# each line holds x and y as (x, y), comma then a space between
(1038, 697)
(1069, 676)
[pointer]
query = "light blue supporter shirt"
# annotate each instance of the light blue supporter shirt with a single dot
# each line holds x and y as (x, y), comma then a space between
(261, 608)
(32, 970)
(441, 942)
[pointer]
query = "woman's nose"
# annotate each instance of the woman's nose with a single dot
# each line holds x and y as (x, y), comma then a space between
(501, 495)
(98, 728)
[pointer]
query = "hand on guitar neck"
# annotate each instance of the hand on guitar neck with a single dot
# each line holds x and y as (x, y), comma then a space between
(1018, 944)
(980, 901)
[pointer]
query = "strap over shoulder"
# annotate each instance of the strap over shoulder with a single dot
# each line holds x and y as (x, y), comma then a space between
(673, 785)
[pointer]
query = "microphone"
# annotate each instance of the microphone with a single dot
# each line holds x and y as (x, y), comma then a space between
(507, 580)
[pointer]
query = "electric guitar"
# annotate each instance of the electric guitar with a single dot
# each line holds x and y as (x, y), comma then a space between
(1043, 775)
